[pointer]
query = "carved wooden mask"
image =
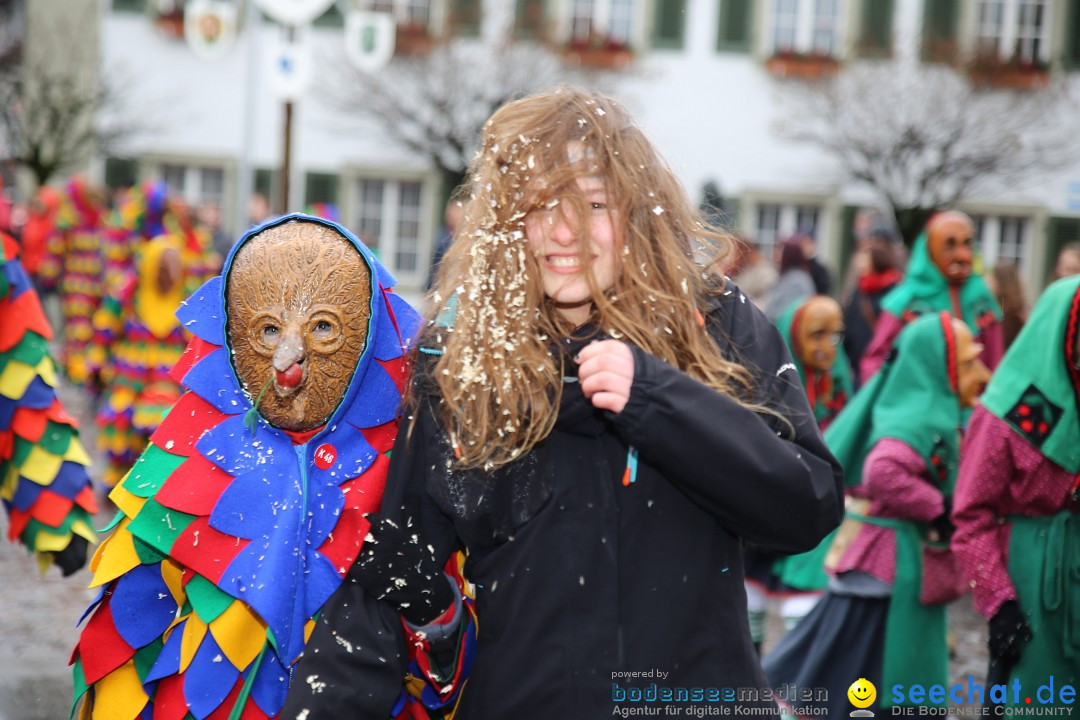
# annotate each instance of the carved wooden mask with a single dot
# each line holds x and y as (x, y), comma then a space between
(298, 298)
(820, 330)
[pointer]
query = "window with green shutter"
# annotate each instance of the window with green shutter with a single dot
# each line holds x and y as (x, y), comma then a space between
(529, 19)
(941, 19)
(128, 5)
(1072, 35)
(875, 29)
(332, 18)
(669, 24)
(736, 26)
(121, 172)
(320, 188)
(465, 18)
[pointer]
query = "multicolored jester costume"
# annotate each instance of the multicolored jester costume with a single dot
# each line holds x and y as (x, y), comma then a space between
(247, 509)
(43, 467)
(137, 340)
(73, 266)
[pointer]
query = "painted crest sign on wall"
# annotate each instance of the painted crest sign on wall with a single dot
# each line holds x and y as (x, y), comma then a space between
(369, 39)
(210, 27)
(294, 12)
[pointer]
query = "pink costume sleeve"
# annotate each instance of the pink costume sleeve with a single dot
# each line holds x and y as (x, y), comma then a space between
(885, 333)
(894, 477)
(981, 540)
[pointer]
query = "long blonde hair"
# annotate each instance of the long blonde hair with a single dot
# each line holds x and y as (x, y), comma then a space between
(497, 376)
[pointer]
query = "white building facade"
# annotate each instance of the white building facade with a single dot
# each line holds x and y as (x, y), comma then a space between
(705, 79)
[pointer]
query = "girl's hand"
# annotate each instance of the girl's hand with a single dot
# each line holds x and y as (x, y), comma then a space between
(606, 372)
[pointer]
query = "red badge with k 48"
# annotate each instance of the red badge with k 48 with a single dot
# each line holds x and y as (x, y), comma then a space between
(325, 455)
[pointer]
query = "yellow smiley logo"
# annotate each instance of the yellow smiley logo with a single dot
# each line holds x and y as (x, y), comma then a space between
(862, 693)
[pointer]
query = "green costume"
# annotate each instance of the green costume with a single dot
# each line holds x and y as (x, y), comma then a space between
(828, 395)
(925, 290)
(1035, 391)
(912, 399)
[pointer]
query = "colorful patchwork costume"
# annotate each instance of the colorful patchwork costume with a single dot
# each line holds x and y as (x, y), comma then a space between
(73, 266)
(43, 467)
(232, 533)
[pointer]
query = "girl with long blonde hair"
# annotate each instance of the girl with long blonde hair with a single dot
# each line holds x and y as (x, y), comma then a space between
(598, 419)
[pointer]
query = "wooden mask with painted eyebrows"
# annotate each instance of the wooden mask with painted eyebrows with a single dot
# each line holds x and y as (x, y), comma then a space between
(298, 298)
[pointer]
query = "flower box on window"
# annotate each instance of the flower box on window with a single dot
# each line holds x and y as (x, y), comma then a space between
(1012, 74)
(599, 53)
(168, 17)
(805, 66)
(412, 39)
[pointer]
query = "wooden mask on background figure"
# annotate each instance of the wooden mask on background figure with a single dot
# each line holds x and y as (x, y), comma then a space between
(820, 330)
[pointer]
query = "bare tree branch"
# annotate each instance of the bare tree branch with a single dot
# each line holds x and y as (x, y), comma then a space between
(924, 137)
(56, 108)
(436, 104)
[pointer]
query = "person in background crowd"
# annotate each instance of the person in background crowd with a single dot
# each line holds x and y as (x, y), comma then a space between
(794, 283)
(1008, 288)
(1068, 262)
(40, 217)
(752, 271)
(878, 275)
(600, 421)
(883, 616)
(451, 219)
(74, 267)
(1017, 496)
(820, 274)
(939, 278)
(209, 216)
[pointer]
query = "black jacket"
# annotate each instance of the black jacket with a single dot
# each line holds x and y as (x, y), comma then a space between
(579, 576)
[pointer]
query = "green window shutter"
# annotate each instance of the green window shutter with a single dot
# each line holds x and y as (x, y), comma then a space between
(121, 172)
(1060, 232)
(941, 19)
(1072, 35)
(529, 19)
(128, 5)
(736, 27)
(465, 18)
(668, 24)
(332, 18)
(875, 29)
(320, 188)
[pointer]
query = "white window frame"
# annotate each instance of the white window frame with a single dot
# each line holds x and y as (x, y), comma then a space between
(601, 14)
(998, 230)
(787, 214)
(387, 244)
(808, 22)
(192, 189)
(1016, 30)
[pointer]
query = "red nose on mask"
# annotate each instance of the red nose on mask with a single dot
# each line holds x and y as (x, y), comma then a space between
(291, 377)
